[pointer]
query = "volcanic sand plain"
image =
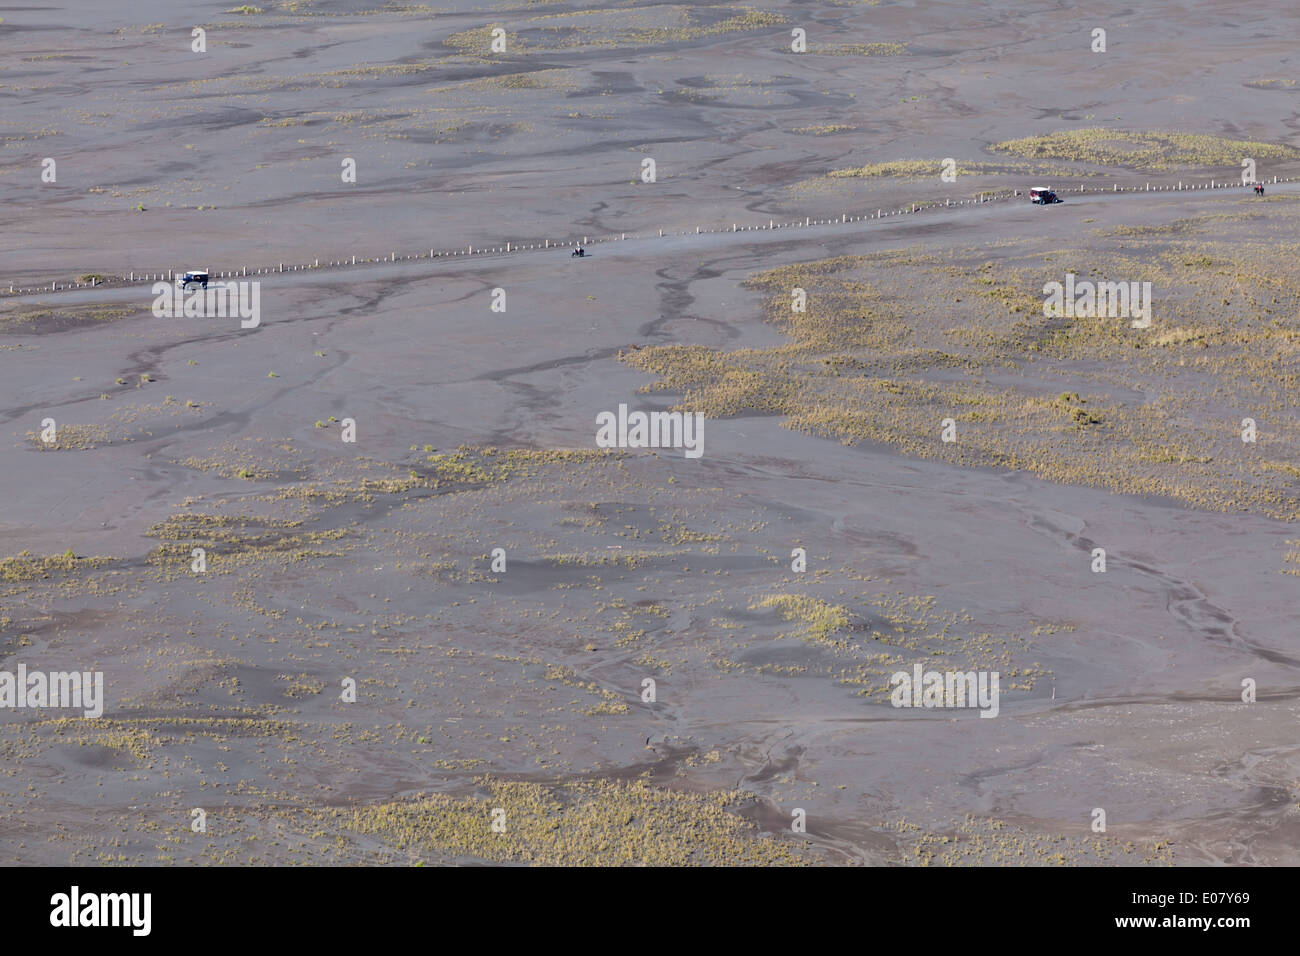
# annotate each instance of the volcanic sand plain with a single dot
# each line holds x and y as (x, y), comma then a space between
(521, 690)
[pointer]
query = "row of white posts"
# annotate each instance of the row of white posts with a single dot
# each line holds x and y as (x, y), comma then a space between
(587, 240)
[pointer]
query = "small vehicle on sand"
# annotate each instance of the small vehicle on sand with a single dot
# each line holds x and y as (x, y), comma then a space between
(197, 277)
(1043, 196)
(578, 252)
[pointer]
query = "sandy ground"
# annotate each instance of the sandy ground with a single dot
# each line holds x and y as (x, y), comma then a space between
(521, 689)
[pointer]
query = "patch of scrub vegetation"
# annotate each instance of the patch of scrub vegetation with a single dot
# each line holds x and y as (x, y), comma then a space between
(126, 424)
(822, 622)
(1006, 175)
(37, 318)
(299, 686)
(979, 841)
(628, 630)
(580, 823)
(827, 130)
(862, 642)
(931, 168)
(1177, 228)
(891, 345)
(1154, 151)
(136, 742)
(143, 737)
(858, 49)
(681, 534)
(239, 541)
(251, 461)
(234, 542)
(25, 566)
(612, 29)
(545, 79)
(608, 702)
(909, 168)
(1292, 557)
(613, 558)
(727, 89)
(488, 465)
(73, 438)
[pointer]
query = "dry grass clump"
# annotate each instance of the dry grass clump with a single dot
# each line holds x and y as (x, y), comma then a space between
(251, 460)
(858, 49)
(473, 465)
(821, 620)
(909, 168)
(1292, 557)
(552, 78)
(931, 168)
(980, 841)
(37, 318)
(582, 823)
(73, 438)
(25, 566)
(627, 558)
(1153, 151)
(127, 424)
(828, 129)
(892, 345)
(611, 29)
(999, 175)
(861, 641)
(239, 542)
(608, 702)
